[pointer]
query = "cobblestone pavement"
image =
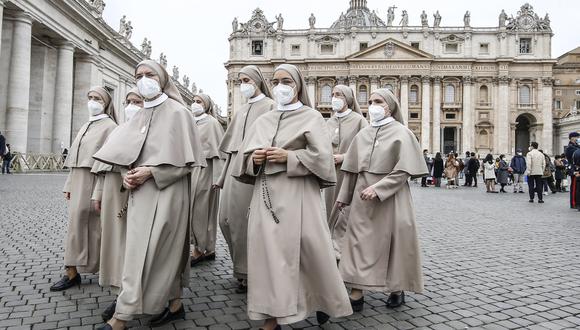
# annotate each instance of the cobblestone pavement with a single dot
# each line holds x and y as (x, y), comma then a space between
(490, 262)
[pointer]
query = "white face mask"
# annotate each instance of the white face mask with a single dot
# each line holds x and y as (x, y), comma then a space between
(197, 109)
(283, 94)
(148, 87)
(95, 108)
(247, 90)
(337, 104)
(130, 111)
(376, 113)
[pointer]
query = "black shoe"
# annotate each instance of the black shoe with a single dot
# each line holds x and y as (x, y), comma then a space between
(278, 327)
(531, 201)
(396, 300)
(322, 317)
(357, 305)
(209, 256)
(167, 316)
(107, 326)
(541, 201)
(242, 288)
(109, 311)
(521, 192)
(66, 283)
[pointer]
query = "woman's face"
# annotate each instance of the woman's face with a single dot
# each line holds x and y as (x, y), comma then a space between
(245, 79)
(145, 71)
(339, 95)
(94, 96)
(376, 99)
(284, 78)
(199, 100)
(135, 100)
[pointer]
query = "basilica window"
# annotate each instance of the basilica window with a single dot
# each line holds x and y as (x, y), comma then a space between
(363, 45)
(257, 47)
(452, 48)
(326, 94)
(525, 95)
(449, 94)
(484, 139)
(414, 94)
(326, 49)
(295, 49)
(557, 104)
(363, 94)
(525, 45)
(415, 45)
(577, 106)
(484, 48)
(483, 95)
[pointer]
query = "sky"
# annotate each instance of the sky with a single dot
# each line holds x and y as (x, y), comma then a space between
(194, 33)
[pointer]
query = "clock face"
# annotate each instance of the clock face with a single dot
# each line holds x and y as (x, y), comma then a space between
(527, 22)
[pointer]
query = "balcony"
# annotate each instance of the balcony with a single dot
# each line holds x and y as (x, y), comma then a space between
(483, 104)
(527, 106)
(451, 106)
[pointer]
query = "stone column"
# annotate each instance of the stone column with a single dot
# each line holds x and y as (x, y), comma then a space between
(86, 75)
(503, 121)
(237, 98)
(19, 83)
(547, 117)
(2, 4)
(405, 98)
(374, 83)
(59, 129)
(311, 83)
(468, 125)
(352, 84)
(436, 114)
(426, 113)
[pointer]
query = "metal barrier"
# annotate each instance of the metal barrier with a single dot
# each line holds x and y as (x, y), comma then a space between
(36, 162)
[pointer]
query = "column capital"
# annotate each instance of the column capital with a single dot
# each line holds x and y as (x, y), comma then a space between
(468, 80)
(504, 80)
(437, 80)
(404, 79)
(547, 81)
(426, 79)
(352, 79)
(19, 16)
(374, 79)
(311, 80)
(341, 80)
(65, 45)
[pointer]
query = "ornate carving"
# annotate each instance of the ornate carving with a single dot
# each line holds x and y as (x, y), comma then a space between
(547, 81)
(467, 80)
(341, 80)
(404, 79)
(425, 79)
(437, 80)
(374, 79)
(258, 24)
(504, 79)
(352, 79)
(389, 49)
(98, 6)
(357, 16)
(527, 20)
(311, 80)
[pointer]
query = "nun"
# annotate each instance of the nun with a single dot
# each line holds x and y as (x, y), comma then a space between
(381, 249)
(111, 201)
(287, 155)
(205, 192)
(83, 239)
(236, 196)
(343, 126)
(156, 151)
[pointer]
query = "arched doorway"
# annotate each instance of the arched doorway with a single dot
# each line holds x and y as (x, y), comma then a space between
(524, 123)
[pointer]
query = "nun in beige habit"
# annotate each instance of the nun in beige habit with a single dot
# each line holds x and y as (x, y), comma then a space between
(111, 201)
(381, 248)
(287, 155)
(343, 126)
(205, 192)
(83, 237)
(236, 196)
(156, 150)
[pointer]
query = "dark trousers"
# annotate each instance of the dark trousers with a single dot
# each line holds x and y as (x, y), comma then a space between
(549, 183)
(574, 193)
(474, 180)
(5, 166)
(424, 181)
(535, 185)
(559, 185)
(468, 179)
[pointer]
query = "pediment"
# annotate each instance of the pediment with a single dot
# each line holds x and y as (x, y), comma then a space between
(390, 49)
(327, 40)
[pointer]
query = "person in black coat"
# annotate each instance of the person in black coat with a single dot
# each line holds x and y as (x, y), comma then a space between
(473, 167)
(2, 145)
(438, 168)
(572, 147)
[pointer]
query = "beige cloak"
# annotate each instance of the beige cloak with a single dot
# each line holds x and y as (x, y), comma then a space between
(205, 199)
(381, 248)
(291, 267)
(236, 196)
(342, 131)
(83, 238)
(164, 138)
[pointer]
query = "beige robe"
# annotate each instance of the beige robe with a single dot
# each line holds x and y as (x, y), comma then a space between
(381, 249)
(236, 196)
(113, 197)
(164, 138)
(342, 132)
(291, 267)
(83, 237)
(205, 199)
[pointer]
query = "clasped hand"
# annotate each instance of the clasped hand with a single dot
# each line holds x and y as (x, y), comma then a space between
(272, 154)
(136, 177)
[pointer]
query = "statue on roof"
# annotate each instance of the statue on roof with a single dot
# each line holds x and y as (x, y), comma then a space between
(175, 73)
(436, 19)
(128, 30)
(502, 18)
(404, 19)
(163, 60)
(194, 88)
(123, 25)
(279, 22)
(235, 25)
(312, 20)
(467, 19)
(391, 15)
(424, 21)
(186, 81)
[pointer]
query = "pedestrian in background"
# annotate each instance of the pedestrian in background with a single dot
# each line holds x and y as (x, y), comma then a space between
(473, 168)
(573, 145)
(518, 169)
(502, 173)
(451, 168)
(536, 163)
(438, 167)
(560, 173)
(489, 174)
(548, 177)
(6, 159)
(429, 163)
